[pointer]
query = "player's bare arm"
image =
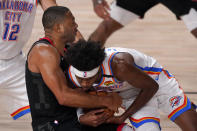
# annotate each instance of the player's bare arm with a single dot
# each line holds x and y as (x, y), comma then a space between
(124, 70)
(105, 29)
(45, 59)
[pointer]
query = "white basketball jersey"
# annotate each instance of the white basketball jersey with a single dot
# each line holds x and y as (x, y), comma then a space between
(17, 18)
(170, 99)
(107, 83)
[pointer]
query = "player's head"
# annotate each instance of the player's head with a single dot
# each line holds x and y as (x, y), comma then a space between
(60, 20)
(85, 59)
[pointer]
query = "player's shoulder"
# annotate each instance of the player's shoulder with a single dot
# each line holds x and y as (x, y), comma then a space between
(43, 50)
(123, 57)
(118, 55)
(121, 64)
(44, 47)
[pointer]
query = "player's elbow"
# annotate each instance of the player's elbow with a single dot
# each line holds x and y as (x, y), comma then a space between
(65, 102)
(155, 87)
(61, 100)
(66, 98)
(152, 87)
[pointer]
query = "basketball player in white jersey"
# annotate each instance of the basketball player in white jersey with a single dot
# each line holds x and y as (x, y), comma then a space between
(16, 23)
(123, 12)
(145, 86)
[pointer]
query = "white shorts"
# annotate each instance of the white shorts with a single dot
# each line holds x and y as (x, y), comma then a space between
(121, 15)
(13, 87)
(169, 99)
(124, 16)
(190, 19)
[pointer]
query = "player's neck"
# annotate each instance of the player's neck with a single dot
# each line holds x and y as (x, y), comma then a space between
(57, 43)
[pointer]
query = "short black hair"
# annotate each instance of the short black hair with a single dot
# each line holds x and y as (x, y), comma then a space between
(85, 56)
(53, 15)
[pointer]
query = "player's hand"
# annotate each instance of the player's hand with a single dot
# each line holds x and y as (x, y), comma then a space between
(94, 118)
(115, 103)
(116, 120)
(101, 8)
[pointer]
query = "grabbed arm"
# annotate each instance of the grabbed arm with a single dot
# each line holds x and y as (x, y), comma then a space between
(124, 70)
(53, 76)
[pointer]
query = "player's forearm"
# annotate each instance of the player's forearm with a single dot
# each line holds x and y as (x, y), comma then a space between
(76, 98)
(144, 96)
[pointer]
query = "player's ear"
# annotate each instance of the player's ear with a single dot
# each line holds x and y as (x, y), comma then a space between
(58, 28)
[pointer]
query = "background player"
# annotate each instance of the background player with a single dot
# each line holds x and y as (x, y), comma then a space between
(17, 18)
(122, 12)
(141, 81)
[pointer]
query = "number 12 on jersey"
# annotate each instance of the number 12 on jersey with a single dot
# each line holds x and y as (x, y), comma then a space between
(10, 31)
